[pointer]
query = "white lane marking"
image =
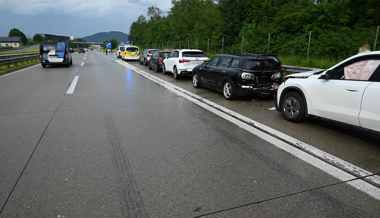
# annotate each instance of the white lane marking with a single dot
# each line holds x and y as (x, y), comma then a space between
(72, 86)
(311, 155)
(82, 64)
(17, 71)
(272, 109)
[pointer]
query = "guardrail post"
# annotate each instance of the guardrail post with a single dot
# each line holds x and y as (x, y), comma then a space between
(376, 38)
(308, 47)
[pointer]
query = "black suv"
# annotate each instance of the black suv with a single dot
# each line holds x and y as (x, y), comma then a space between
(240, 75)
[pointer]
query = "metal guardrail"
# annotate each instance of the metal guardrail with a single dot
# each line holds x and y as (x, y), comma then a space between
(11, 59)
(294, 69)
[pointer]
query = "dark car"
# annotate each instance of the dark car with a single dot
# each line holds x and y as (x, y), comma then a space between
(240, 75)
(55, 53)
(156, 63)
(146, 55)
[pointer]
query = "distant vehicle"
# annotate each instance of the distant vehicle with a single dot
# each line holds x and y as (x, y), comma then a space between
(131, 53)
(120, 50)
(347, 92)
(156, 63)
(55, 53)
(82, 50)
(182, 62)
(146, 55)
(243, 75)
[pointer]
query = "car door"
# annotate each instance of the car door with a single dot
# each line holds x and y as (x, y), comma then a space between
(337, 94)
(222, 72)
(370, 110)
(167, 62)
(208, 71)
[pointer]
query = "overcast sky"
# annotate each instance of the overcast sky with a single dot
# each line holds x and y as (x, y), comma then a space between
(73, 17)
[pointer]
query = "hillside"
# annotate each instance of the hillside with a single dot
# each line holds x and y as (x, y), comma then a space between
(105, 36)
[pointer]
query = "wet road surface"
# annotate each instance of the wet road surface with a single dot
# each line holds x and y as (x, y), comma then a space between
(123, 146)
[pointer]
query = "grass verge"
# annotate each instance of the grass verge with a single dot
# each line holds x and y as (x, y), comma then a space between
(7, 68)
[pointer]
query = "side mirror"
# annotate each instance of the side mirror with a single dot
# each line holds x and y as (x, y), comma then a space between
(325, 76)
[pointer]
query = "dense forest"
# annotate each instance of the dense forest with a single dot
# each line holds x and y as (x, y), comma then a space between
(335, 29)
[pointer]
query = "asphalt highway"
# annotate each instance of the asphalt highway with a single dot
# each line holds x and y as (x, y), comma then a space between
(100, 140)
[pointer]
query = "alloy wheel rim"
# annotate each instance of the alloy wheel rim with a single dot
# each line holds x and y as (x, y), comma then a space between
(227, 90)
(292, 107)
(195, 80)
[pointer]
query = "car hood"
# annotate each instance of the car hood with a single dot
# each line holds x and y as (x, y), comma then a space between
(304, 74)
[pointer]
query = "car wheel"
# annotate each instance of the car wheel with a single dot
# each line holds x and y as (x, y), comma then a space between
(175, 73)
(43, 65)
(196, 81)
(228, 91)
(293, 107)
(150, 67)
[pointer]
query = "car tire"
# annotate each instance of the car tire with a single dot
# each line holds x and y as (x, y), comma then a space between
(43, 65)
(228, 90)
(175, 73)
(150, 67)
(196, 81)
(293, 107)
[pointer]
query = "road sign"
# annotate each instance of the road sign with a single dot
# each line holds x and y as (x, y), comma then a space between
(109, 45)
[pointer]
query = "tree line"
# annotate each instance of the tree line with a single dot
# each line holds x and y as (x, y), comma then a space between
(335, 29)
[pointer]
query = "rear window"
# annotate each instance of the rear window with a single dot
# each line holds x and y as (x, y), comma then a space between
(47, 47)
(122, 49)
(132, 49)
(152, 50)
(193, 54)
(61, 46)
(268, 63)
(164, 54)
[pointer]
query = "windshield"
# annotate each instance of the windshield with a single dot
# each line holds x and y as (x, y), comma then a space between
(194, 54)
(132, 49)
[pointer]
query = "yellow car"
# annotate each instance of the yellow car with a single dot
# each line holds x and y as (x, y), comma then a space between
(130, 53)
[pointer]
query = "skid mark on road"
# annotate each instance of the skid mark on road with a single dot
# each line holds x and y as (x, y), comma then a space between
(133, 204)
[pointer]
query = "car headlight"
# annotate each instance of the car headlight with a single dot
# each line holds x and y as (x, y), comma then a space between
(277, 77)
(247, 76)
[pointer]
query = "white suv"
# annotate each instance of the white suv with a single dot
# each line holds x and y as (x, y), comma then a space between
(348, 92)
(182, 62)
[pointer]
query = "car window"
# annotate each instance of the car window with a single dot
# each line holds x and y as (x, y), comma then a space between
(164, 54)
(213, 62)
(61, 46)
(376, 76)
(235, 63)
(267, 63)
(361, 69)
(132, 49)
(174, 54)
(122, 49)
(224, 62)
(193, 54)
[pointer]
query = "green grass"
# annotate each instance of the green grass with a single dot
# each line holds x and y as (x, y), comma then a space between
(7, 68)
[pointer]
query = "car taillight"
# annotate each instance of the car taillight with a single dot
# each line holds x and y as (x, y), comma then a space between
(181, 61)
(160, 61)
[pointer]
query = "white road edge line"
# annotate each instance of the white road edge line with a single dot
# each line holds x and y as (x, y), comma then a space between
(297, 148)
(72, 86)
(17, 71)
